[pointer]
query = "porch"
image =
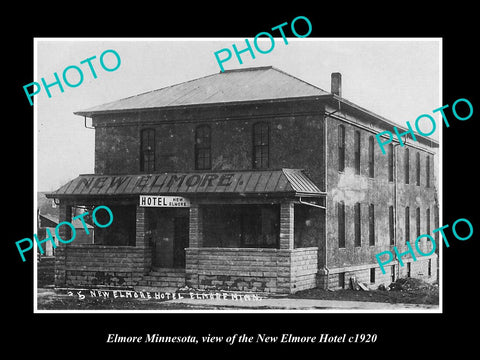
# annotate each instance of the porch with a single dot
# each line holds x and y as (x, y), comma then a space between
(263, 241)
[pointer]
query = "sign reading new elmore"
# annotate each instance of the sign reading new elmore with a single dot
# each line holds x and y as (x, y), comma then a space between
(163, 201)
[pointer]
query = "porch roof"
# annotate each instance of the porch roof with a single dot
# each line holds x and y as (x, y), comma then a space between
(284, 181)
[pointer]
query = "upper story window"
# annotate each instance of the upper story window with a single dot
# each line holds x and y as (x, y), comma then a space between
(427, 169)
(371, 224)
(391, 224)
(261, 144)
(203, 148)
(418, 168)
(341, 224)
(371, 157)
(390, 162)
(407, 224)
(358, 224)
(147, 150)
(357, 147)
(341, 148)
(417, 215)
(407, 166)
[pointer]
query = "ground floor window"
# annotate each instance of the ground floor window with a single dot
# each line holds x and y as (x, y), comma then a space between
(341, 280)
(247, 226)
(308, 225)
(122, 230)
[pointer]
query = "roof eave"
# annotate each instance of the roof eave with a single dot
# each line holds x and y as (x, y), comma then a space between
(89, 114)
(356, 107)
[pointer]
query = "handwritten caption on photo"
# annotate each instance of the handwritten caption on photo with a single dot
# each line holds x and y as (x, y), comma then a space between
(131, 294)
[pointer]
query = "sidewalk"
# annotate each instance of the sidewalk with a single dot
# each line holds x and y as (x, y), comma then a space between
(83, 300)
(299, 304)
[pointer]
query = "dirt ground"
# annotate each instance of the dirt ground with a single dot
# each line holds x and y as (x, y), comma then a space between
(406, 291)
(403, 291)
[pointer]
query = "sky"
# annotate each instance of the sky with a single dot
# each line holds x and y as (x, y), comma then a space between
(398, 79)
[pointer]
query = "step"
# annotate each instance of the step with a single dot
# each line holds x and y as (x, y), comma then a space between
(154, 282)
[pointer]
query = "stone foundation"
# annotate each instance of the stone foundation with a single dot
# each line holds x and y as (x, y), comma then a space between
(418, 269)
(262, 270)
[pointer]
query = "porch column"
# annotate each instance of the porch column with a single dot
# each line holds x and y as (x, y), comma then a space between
(195, 241)
(142, 239)
(65, 232)
(195, 238)
(286, 225)
(284, 257)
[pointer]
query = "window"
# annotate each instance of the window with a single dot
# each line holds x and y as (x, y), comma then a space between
(407, 166)
(418, 221)
(371, 158)
(409, 269)
(357, 152)
(341, 280)
(203, 149)
(260, 226)
(427, 170)
(371, 224)
(407, 224)
(260, 145)
(147, 150)
(341, 224)
(307, 226)
(390, 162)
(241, 226)
(341, 148)
(418, 168)
(358, 229)
(428, 221)
(429, 267)
(391, 224)
(372, 275)
(122, 230)
(392, 273)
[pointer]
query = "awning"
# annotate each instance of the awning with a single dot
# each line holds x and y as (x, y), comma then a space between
(285, 181)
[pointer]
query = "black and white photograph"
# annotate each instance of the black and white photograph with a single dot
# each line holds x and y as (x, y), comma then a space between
(255, 188)
(289, 179)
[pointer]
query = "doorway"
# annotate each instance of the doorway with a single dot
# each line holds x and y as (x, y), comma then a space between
(169, 237)
(180, 240)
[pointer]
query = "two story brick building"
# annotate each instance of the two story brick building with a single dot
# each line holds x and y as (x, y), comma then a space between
(249, 179)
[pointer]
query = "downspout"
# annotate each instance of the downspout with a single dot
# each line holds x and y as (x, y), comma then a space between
(395, 201)
(325, 126)
(327, 270)
(85, 123)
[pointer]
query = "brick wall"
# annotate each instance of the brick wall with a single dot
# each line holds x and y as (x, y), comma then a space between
(352, 188)
(296, 137)
(91, 265)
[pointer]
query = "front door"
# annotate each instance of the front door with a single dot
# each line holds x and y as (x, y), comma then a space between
(180, 240)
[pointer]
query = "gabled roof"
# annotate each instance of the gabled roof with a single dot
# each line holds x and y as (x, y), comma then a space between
(249, 84)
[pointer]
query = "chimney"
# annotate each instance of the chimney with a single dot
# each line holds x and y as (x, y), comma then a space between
(336, 84)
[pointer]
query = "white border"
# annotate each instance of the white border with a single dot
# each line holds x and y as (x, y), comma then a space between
(250, 311)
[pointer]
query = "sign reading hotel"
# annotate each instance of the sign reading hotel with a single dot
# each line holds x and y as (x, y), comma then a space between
(163, 201)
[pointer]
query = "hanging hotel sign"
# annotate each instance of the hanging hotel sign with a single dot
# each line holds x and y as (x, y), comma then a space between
(163, 201)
